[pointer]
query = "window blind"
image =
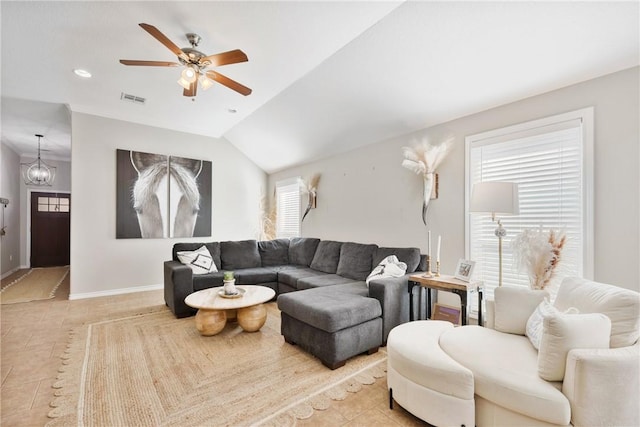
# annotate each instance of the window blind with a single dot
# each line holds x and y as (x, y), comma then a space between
(548, 163)
(288, 208)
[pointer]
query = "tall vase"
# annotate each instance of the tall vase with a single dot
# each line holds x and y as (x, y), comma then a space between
(428, 183)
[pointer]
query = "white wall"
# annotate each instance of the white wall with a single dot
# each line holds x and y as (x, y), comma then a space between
(62, 183)
(102, 264)
(10, 189)
(365, 195)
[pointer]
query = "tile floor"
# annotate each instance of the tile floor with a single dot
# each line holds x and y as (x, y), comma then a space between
(35, 334)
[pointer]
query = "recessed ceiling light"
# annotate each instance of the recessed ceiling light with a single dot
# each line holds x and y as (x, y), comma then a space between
(82, 73)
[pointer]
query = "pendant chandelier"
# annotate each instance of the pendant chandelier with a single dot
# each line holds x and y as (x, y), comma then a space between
(38, 172)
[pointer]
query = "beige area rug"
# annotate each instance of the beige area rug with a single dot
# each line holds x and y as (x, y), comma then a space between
(156, 370)
(36, 284)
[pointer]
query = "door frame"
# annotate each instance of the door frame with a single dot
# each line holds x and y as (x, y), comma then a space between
(37, 190)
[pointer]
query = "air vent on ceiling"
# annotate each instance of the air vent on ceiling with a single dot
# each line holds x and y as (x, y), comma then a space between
(132, 98)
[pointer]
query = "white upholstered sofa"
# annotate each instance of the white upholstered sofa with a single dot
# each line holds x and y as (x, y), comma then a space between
(494, 376)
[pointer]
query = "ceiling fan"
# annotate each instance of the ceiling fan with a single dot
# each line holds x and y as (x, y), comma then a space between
(195, 63)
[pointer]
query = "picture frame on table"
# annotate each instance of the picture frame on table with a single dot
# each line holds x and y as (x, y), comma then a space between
(446, 312)
(464, 269)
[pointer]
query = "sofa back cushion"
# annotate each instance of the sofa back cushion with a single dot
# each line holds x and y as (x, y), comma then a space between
(410, 256)
(327, 256)
(620, 305)
(274, 252)
(213, 247)
(239, 254)
(302, 250)
(513, 307)
(356, 260)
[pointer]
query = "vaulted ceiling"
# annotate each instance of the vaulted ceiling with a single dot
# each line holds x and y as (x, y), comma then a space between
(326, 76)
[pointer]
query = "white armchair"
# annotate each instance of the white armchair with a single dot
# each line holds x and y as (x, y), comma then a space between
(600, 384)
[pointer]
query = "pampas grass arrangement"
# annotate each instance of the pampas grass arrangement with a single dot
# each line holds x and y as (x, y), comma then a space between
(423, 158)
(538, 252)
(267, 219)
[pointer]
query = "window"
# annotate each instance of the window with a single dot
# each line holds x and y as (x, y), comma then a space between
(288, 208)
(552, 162)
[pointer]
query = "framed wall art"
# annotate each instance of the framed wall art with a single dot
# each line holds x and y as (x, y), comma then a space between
(160, 196)
(464, 269)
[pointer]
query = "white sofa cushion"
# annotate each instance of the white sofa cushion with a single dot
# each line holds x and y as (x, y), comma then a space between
(513, 307)
(505, 370)
(200, 260)
(414, 353)
(563, 332)
(620, 305)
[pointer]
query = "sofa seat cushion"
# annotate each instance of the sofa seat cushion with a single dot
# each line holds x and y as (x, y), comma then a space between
(327, 256)
(505, 371)
(206, 281)
(291, 276)
(356, 260)
(322, 280)
(255, 276)
(330, 312)
(240, 254)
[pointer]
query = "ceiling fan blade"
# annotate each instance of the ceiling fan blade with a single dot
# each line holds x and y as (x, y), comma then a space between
(193, 88)
(231, 84)
(149, 63)
(231, 57)
(164, 40)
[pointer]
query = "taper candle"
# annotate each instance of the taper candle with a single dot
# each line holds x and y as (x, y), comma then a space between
(429, 243)
(438, 249)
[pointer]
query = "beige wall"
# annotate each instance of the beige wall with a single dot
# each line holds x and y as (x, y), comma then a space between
(365, 195)
(102, 264)
(10, 189)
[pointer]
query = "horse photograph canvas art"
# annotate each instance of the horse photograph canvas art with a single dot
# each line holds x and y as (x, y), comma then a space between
(160, 196)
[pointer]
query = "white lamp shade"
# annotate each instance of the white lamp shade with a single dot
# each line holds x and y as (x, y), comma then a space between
(495, 198)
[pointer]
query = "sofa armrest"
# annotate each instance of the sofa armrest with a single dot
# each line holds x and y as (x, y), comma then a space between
(178, 283)
(602, 386)
(393, 294)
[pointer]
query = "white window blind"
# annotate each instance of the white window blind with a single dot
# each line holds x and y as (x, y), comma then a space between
(551, 160)
(288, 208)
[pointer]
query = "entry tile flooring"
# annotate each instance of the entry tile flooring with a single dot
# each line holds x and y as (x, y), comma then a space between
(35, 334)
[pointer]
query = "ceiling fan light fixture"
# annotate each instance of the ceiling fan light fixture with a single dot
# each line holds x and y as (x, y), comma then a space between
(189, 74)
(205, 82)
(185, 84)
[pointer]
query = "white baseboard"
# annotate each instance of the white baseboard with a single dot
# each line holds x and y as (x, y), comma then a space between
(10, 272)
(112, 292)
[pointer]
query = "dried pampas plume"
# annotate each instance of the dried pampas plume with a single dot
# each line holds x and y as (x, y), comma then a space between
(538, 253)
(267, 219)
(312, 190)
(423, 158)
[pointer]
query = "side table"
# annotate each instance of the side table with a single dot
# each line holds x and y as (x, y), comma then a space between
(449, 284)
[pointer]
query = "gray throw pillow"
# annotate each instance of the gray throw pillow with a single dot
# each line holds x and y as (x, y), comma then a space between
(302, 250)
(240, 254)
(355, 260)
(274, 252)
(327, 256)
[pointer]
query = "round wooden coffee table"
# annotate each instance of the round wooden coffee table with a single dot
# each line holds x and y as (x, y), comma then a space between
(214, 309)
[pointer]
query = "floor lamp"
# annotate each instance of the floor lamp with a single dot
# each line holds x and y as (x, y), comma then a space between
(496, 198)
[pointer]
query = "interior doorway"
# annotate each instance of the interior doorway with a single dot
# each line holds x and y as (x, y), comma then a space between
(50, 229)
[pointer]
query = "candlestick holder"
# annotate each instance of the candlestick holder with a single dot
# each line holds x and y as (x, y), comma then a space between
(437, 268)
(428, 273)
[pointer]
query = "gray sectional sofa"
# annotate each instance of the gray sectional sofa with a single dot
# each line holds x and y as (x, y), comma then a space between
(326, 306)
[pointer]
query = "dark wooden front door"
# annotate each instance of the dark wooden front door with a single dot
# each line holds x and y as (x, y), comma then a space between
(50, 226)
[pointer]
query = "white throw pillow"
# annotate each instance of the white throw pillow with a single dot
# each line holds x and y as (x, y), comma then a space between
(513, 307)
(200, 260)
(564, 332)
(534, 324)
(388, 267)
